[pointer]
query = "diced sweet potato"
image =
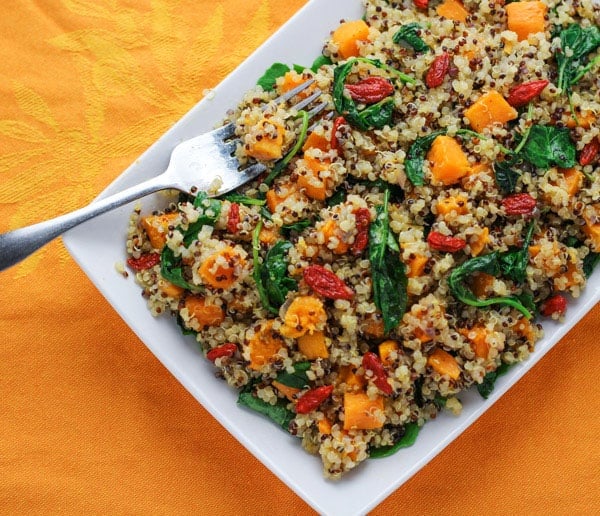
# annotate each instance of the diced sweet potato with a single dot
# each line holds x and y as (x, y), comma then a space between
(453, 10)
(524, 328)
(568, 279)
(352, 380)
(361, 412)
(489, 109)
(279, 193)
(264, 345)
(221, 269)
(293, 79)
(448, 161)
(324, 426)
(310, 182)
(584, 119)
(452, 206)
(268, 235)
(330, 229)
(316, 141)
(305, 314)
(168, 289)
(286, 390)
(571, 180)
(416, 265)
(206, 314)
(347, 36)
(386, 349)
(526, 18)
(444, 363)
(592, 226)
(373, 327)
(477, 336)
(157, 228)
(269, 141)
(313, 345)
(482, 239)
(481, 284)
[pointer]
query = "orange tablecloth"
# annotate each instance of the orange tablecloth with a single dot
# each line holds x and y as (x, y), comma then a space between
(90, 422)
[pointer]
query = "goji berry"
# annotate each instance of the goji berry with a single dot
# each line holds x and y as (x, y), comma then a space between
(447, 244)
(233, 219)
(524, 93)
(437, 71)
(557, 304)
(363, 221)
(225, 350)
(370, 90)
(589, 152)
(421, 4)
(371, 362)
(337, 123)
(311, 400)
(519, 204)
(326, 283)
(145, 261)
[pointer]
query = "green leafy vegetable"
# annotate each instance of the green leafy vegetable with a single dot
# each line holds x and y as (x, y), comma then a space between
(411, 431)
(415, 158)
(257, 269)
(590, 262)
(244, 199)
(549, 146)
(576, 43)
(210, 210)
(171, 269)
(267, 80)
(486, 387)
(278, 413)
(387, 271)
(409, 34)
(299, 226)
(320, 61)
(298, 378)
(512, 264)
(274, 276)
(506, 176)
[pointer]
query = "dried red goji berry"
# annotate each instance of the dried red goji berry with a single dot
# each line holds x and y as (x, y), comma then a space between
(311, 400)
(447, 244)
(363, 221)
(518, 204)
(225, 350)
(557, 304)
(326, 283)
(523, 93)
(233, 219)
(438, 70)
(372, 363)
(370, 90)
(145, 261)
(589, 152)
(337, 123)
(421, 4)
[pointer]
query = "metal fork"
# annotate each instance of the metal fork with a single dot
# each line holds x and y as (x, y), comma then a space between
(203, 163)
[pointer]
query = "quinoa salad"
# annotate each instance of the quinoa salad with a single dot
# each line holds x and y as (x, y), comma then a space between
(406, 243)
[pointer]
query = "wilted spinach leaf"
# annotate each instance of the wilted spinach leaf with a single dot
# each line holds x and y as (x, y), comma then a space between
(411, 431)
(274, 276)
(210, 210)
(549, 146)
(278, 413)
(320, 61)
(576, 43)
(506, 176)
(267, 80)
(589, 263)
(415, 158)
(486, 387)
(409, 34)
(298, 378)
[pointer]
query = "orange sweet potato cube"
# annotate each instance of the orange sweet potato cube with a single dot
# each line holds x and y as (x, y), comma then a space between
(489, 109)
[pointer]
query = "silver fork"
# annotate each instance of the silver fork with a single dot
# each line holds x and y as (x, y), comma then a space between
(203, 163)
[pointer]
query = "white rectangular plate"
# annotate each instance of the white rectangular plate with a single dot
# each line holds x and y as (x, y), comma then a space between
(97, 245)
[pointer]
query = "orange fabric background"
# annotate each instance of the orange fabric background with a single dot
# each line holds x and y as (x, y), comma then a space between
(90, 421)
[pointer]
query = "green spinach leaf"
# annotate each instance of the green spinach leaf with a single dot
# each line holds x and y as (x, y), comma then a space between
(411, 431)
(589, 263)
(415, 158)
(298, 378)
(513, 263)
(387, 271)
(299, 226)
(244, 199)
(549, 146)
(278, 413)
(320, 61)
(267, 80)
(506, 176)
(576, 43)
(171, 269)
(274, 275)
(409, 34)
(486, 387)
(257, 270)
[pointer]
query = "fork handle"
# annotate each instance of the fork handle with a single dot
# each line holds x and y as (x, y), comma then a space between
(20, 243)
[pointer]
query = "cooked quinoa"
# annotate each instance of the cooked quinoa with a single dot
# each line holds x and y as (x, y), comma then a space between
(443, 205)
